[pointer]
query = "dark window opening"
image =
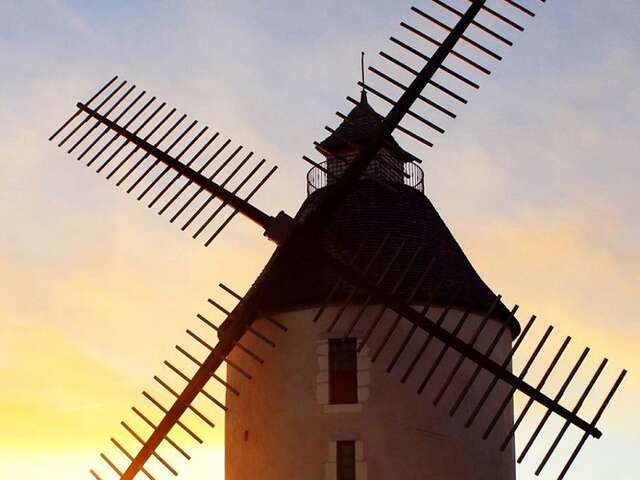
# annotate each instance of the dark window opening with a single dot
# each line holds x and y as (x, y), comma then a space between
(346, 460)
(343, 371)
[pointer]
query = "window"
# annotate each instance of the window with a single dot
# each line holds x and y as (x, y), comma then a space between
(343, 371)
(346, 460)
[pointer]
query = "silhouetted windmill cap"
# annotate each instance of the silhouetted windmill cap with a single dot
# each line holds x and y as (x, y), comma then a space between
(358, 129)
(367, 216)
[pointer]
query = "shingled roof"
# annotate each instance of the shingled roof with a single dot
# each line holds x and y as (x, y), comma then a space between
(358, 129)
(368, 215)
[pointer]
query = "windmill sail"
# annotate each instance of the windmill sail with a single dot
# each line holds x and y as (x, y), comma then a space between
(184, 399)
(447, 88)
(500, 371)
(187, 188)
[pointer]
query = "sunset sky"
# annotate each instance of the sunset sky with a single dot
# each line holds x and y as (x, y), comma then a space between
(537, 179)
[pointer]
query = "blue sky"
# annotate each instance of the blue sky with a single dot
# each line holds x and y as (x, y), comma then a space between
(537, 179)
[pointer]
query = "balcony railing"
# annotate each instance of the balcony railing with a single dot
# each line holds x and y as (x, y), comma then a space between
(317, 178)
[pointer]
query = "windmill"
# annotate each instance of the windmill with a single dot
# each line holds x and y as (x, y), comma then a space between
(404, 296)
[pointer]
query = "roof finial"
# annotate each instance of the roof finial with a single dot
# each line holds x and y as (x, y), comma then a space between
(363, 93)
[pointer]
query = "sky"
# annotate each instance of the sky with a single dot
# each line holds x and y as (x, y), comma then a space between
(536, 178)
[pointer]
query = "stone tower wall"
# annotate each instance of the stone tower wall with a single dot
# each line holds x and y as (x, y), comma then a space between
(281, 426)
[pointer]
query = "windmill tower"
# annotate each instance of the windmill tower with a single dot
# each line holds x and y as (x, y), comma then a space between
(367, 300)
(324, 390)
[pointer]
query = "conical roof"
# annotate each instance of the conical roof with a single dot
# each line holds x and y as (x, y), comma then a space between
(358, 129)
(366, 217)
(369, 214)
